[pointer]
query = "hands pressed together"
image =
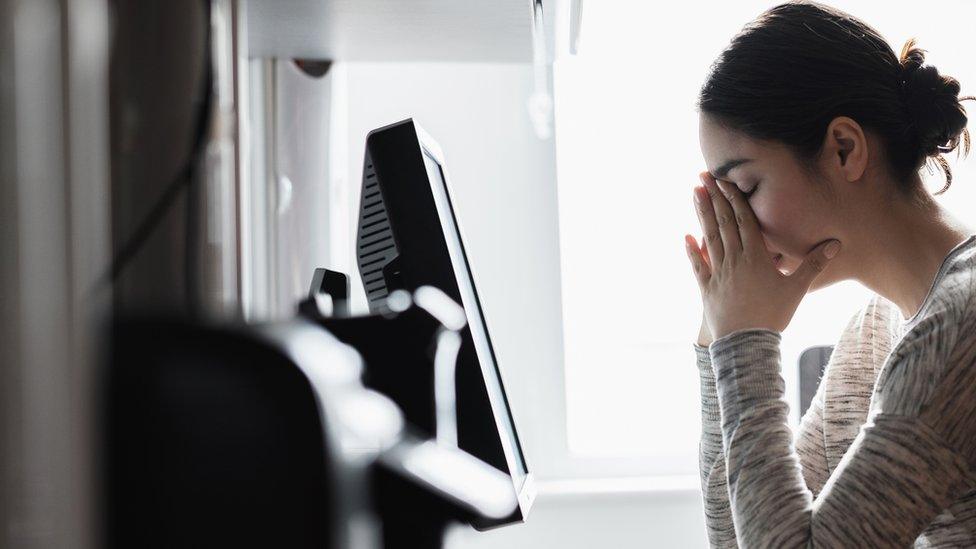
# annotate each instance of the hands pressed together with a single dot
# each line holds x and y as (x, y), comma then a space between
(741, 287)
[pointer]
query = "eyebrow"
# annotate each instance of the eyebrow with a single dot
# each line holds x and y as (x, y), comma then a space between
(728, 166)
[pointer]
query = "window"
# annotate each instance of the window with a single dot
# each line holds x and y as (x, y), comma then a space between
(627, 159)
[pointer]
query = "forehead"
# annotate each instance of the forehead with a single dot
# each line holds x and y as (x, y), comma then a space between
(719, 144)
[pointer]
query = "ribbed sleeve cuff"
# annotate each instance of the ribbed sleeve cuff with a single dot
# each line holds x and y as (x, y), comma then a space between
(709, 394)
(747, 367)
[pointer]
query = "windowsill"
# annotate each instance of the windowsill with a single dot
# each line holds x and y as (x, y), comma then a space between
(569, 488)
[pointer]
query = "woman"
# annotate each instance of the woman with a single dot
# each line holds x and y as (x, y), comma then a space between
(813, 132)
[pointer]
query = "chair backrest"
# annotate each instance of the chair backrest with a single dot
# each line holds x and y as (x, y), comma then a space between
(810, 368)
(214, 438)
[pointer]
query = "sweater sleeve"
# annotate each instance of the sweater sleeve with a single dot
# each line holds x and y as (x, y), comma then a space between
(711, 459)
(714, 487)
(911, 459)
(810, 445)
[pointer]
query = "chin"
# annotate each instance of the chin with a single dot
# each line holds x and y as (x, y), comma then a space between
(784, 264)
(787, 264)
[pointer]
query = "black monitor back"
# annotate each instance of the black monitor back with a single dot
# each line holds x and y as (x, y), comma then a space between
(401, 245)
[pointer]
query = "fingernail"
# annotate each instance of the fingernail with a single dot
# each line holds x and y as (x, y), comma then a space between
(704, 177)
(830, 250)
(698, 197)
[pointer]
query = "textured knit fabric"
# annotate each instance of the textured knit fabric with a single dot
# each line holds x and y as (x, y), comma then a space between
(885, 455)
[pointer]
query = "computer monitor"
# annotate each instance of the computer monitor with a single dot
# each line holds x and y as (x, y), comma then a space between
(409, 236)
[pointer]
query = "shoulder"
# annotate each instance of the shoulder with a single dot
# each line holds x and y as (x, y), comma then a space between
(878, 317)
(875, 326)
(938, 346)
(864, 344)
(948, 316)
(934, 367)
(956, 292)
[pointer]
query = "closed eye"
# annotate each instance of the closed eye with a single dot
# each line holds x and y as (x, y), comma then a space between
(752, 191)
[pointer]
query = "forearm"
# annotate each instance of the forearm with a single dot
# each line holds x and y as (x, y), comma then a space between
(874, 497)
(710, 447)
(768, 495)
(711, 459)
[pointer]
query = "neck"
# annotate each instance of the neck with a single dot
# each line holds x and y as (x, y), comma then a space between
(903, 249)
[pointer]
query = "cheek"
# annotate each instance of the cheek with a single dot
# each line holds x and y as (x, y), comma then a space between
(775, 217)
(782, 222)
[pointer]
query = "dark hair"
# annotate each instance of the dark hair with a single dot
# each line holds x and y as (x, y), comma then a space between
(799, 65)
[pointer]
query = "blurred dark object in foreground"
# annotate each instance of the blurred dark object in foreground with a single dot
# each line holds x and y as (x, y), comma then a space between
(265, 436)
(214, 440)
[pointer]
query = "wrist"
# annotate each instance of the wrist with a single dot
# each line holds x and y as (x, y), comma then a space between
(749, 361)
(725, 333)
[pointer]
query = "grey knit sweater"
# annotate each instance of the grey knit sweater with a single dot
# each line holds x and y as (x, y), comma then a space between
(884, 457)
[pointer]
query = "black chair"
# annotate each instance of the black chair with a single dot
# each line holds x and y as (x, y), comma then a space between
(810, 367)
(214, 438)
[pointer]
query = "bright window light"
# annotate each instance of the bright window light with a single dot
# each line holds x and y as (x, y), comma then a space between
(628, 158)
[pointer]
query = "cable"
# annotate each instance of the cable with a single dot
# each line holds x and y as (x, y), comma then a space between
(182, 179)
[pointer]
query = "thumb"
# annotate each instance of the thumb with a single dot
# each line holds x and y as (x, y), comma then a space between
(815, 262)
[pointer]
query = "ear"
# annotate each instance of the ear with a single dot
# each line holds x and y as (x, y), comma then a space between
(845, 148)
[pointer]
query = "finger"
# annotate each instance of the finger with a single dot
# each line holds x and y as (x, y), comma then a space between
(814, 263)
(724, 216)
(704, 251)
(706, 217)
(745, 218)
(702, 272)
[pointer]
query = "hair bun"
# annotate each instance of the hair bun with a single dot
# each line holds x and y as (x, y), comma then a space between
(933, 103)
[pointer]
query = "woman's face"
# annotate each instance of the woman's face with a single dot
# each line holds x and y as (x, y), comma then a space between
(794, 214)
